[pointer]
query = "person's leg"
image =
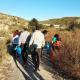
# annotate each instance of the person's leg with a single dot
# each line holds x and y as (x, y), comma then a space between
(21, 59)
(34, 59)
(41, 52)
(23, 54)
(26, 54)
(25, 57)
(38, 52)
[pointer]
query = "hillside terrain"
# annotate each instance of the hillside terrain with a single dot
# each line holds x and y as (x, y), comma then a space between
(70, 51)
(8, 22)
(65, 21)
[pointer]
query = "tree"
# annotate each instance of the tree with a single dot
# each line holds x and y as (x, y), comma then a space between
(33, 23)
(71, 25)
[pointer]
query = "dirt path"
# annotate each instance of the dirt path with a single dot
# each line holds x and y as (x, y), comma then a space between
(13, 70)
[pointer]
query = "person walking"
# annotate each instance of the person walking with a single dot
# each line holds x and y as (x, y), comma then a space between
(15, 40)
(22, 41)
(37, 41)
(56, 54)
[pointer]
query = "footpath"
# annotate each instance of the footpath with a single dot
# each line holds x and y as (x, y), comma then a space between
(11, 69)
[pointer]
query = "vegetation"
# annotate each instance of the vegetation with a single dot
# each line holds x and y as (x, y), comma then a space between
(70, 50)
(34, 24)
(12, 22)
(70, 39)
(65, 21)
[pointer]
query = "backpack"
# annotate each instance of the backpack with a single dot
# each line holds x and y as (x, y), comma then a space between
(54, 39)
(18, 50)
(58, 43)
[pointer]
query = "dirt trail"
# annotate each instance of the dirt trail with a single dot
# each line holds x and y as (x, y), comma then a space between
(13, 70)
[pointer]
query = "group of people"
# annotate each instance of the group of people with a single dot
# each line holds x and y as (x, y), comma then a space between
(54, 49)
(25, 42)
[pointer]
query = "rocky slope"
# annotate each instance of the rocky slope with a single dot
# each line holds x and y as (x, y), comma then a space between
(11, 22)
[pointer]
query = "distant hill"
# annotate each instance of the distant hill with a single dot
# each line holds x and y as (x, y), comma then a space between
(61, 21)
(11, 22)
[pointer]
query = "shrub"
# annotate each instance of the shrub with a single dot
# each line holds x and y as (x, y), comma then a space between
(70, 50)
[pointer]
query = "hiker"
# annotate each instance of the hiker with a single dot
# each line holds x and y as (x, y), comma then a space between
(15, 40)
(22, 40)
(36, 43)
(56, 48)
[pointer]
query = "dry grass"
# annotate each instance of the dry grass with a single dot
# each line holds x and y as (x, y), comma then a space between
(4, 37)
(71, 49)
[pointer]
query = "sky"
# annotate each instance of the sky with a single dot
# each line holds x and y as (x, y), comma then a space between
(40, 9)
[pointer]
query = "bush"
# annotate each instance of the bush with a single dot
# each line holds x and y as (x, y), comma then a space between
(70, 50)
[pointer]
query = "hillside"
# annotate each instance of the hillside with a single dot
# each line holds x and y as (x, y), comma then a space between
(12, 69)
(61, 21)
(11, 22)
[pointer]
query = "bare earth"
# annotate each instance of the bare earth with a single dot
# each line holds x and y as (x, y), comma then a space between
(13, 70)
